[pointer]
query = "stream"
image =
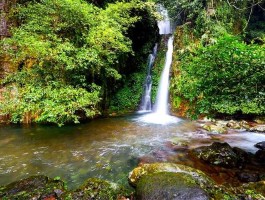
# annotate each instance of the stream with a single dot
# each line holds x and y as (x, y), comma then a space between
(107, 148)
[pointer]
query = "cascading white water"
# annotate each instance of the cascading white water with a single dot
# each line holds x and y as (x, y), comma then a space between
(164, 25)
(160, 115)
(161, 106)
(145, 105)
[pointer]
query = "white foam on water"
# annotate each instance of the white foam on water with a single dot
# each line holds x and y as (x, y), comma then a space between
(157, 118)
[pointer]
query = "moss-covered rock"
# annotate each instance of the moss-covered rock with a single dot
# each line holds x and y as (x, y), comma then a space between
(95, 188)
(169, 185)
(221, 154)
(35, 187)
(146, 169)
(173, 181)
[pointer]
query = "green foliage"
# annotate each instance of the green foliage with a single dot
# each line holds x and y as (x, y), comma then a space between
(128, 97)
(184, 8)
(52, 104)
(67, 54)
(227, 77)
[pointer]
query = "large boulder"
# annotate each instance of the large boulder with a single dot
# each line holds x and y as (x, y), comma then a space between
(173, 181)
(169, 185)
(35, 187)
(221, 154)
(146, 169)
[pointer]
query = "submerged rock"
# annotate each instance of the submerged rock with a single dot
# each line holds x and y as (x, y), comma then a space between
(221, 154)
(35, 187)
(95, 188)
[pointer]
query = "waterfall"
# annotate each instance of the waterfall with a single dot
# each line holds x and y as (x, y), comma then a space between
(161, 106)
(160, 115)
(164, 25)
(146, 105)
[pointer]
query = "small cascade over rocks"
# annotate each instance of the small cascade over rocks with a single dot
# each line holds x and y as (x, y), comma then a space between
(160, 114)
(164, 25)
(146, 104)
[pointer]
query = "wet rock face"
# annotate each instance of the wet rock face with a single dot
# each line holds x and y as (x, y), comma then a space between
(260, 145)
(260, 156)
(35, 187)
(221, 154)
(169, 185)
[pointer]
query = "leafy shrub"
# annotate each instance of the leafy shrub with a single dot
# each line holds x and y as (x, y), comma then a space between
(50, 104)
(227, 77)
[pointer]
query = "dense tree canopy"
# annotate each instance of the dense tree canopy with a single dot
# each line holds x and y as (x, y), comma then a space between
(74, 58)
(66, 53)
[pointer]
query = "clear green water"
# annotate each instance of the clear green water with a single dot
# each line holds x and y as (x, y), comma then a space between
(105, 148)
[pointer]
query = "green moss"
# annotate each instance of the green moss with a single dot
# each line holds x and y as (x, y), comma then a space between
(169, 178)
(95, 188)
(166, 185)
(32, 187)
